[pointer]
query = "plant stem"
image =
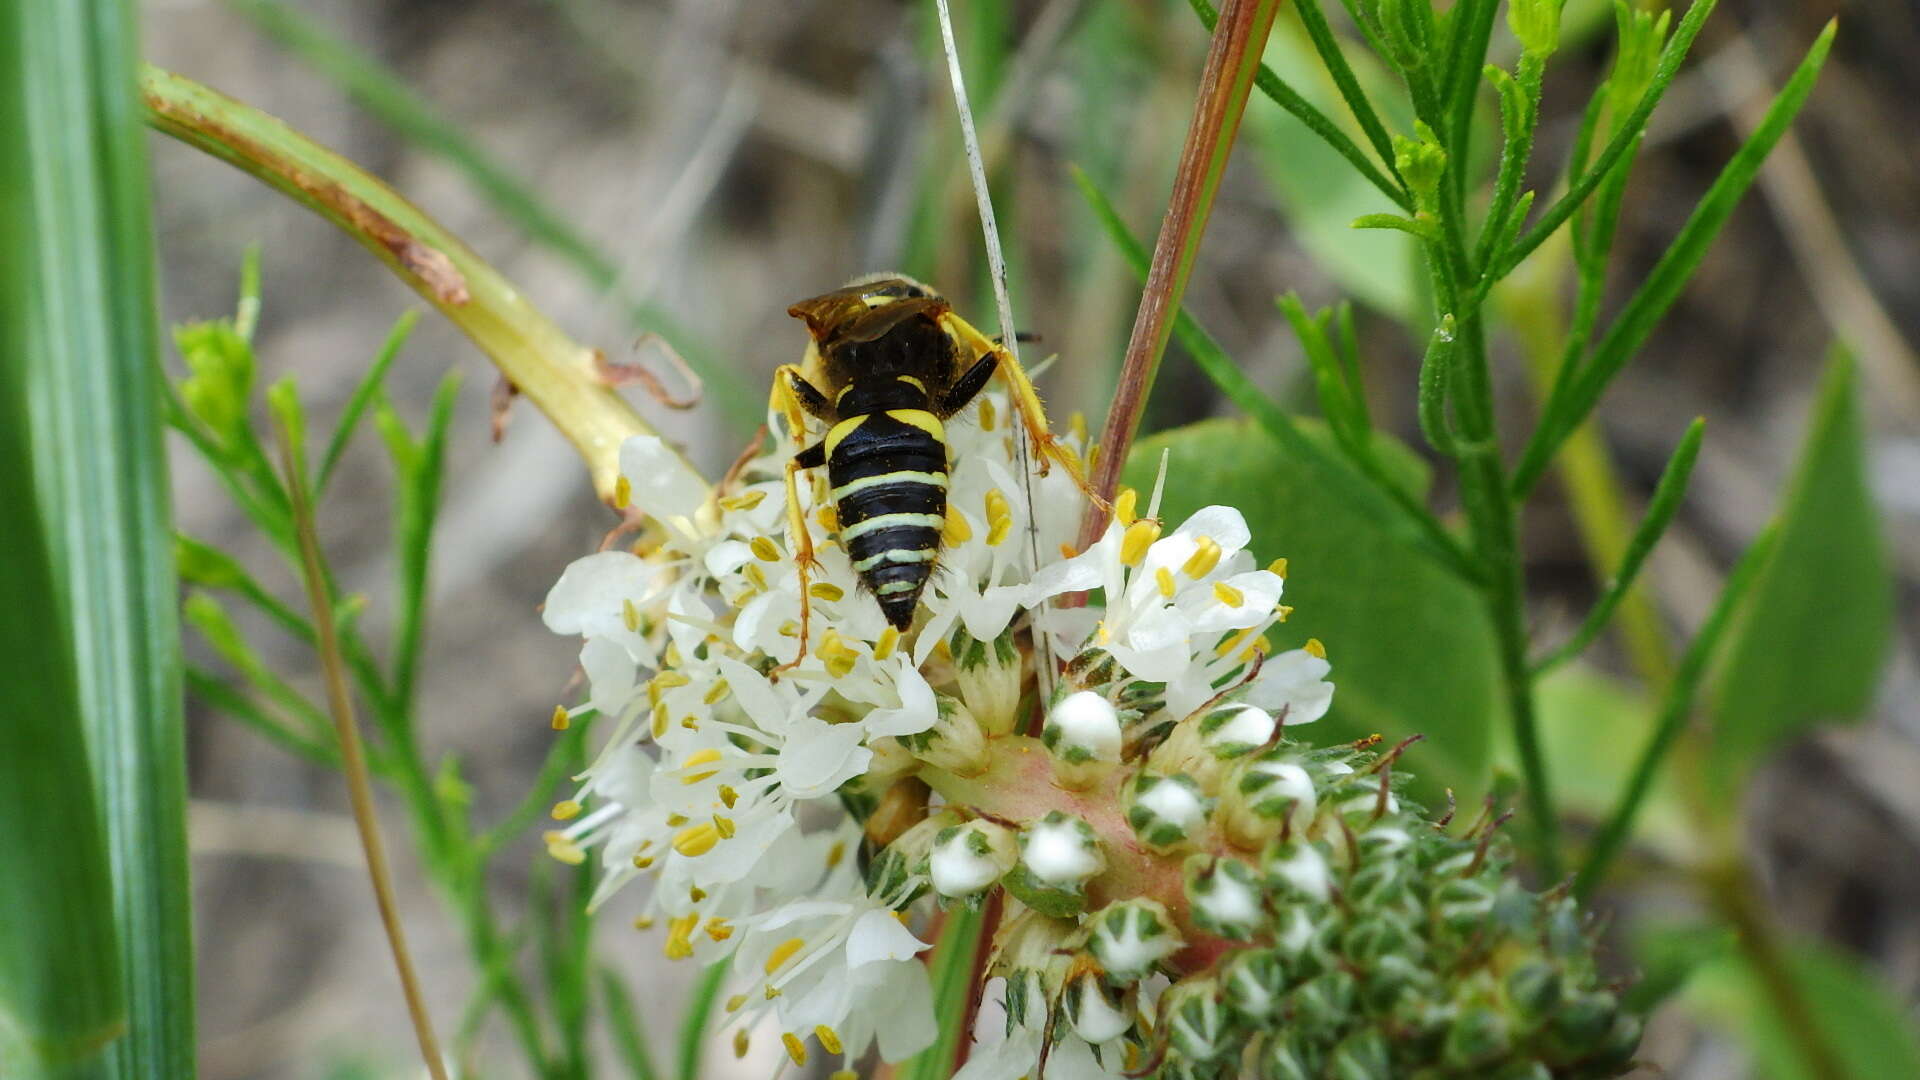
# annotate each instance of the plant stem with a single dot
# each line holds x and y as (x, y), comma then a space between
(359, 786)
(1729, 887)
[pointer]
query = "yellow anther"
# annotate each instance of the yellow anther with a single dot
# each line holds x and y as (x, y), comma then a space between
(560, 718)
(695, 840)
(796, 1049)
(680, 936)
(889, 640)
(741, 1041)
(563, 849)
(660, 719)
(566, 810)
(719, 929)
(696, 894)
(690, 723)
(642, 862)
(829, 1039)
(1102, 634)
(1315, 649)
(728, 795)
(986, 413)
(843, 1074)
(783, 952)
(716, 693)
(745, 500)
(725, 825)
(1278, 567)
(672, 680)
(771, 992)
(1228, 595)
(1067, 552)
(643, 922)
(1163, 578)
(622, 493)
(835, 853)
(826, 590)
(837, 654)
(734, 1002)
(827, 517)
(765, 550)
(1281, 611)
(999, 517)
(754, 577)
(1206, 556)
(955, 531)
(1262, 646)
(630, 616)
(700, 757)
(1138, 538)
(674, 821)
(1125, 505)
(1232, 642)
(789, 629)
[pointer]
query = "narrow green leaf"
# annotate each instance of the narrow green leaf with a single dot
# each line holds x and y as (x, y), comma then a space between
(1337, 402)
(1864, 1023)
(1423, 227)
(1670, 275)
(1411, 647)
(412, 117)
(1809, 647)
(1471, 23)
(214, 692)
(362, 396)
(1666, 501)
(950, 970)
(79, 237)
(417, 507)
(1675, 709)
(1328, 47)
(1316, 121)
(1435, 371)
(693, 1030)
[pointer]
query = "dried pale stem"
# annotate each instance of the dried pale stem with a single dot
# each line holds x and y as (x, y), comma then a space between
(353, 758)
(559, 375)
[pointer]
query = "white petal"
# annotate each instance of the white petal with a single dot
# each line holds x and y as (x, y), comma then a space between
(1296, 681)
(819, 757)
(905, 1021)
(755, 695)
(1259, 591)
(917, 711)
(727, 556)
(877, 935)
(1077, 574)
(610, 674)
(588, 597)
(1223, 524)
(664, 485)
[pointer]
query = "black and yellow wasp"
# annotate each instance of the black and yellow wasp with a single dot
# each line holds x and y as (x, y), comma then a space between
(888, 364)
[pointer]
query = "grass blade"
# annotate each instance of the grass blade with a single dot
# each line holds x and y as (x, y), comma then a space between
(951, 970)
(395, 104)
(1316, 121)
(1674, 710)
(1666, 501)
(1662, 286)
(629, 1035)
(91, 374)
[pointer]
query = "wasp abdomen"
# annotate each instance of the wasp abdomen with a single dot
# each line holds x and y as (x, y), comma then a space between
(889, 476)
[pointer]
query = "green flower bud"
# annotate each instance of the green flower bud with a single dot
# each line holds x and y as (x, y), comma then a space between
(1422, 162)
(1166, 811)
(988, 674)
(1199, 1028)
(1643, 34)
(221, 365)
(1225, 897)
(1083, 733)
(1130, 938)
(1535, 24)
(956, 742)
(966, 859)
(1058, 854)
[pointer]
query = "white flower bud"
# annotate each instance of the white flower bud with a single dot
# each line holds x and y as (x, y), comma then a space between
(967, 859)
(955, 742)
(1225, 897)
(1131, 937)
(988, 674)
(1166, 810)
(1061, 851)
(1095, 1018)
(1236, 731)
(1083, 734)
(1269, 798)
(1301, 867)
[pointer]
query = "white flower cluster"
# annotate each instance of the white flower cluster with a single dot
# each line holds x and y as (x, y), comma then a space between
(738, 773)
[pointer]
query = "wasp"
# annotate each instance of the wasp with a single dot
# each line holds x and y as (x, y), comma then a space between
(888, 364)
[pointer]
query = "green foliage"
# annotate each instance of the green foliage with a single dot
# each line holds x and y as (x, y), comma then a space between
(86, 499)
(1411, 649)
(1808, 648)
(1862, 1022)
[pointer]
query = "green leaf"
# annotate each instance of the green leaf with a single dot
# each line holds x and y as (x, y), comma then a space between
(363, 394)
(693, 1030)
(1807, 648)
(79, 251)
(1410, 644)
(1861, 1021)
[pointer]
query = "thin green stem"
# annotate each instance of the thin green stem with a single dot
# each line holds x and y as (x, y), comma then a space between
(693, 1031)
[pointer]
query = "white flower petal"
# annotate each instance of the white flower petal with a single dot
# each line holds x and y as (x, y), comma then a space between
(878, 935)
(664, 486)
(917, 711)
(1225, 525)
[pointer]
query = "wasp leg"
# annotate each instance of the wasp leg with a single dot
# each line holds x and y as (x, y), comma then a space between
(1026, 401)
(801, 543)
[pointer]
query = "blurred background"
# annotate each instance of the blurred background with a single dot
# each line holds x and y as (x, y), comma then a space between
(728, 157)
